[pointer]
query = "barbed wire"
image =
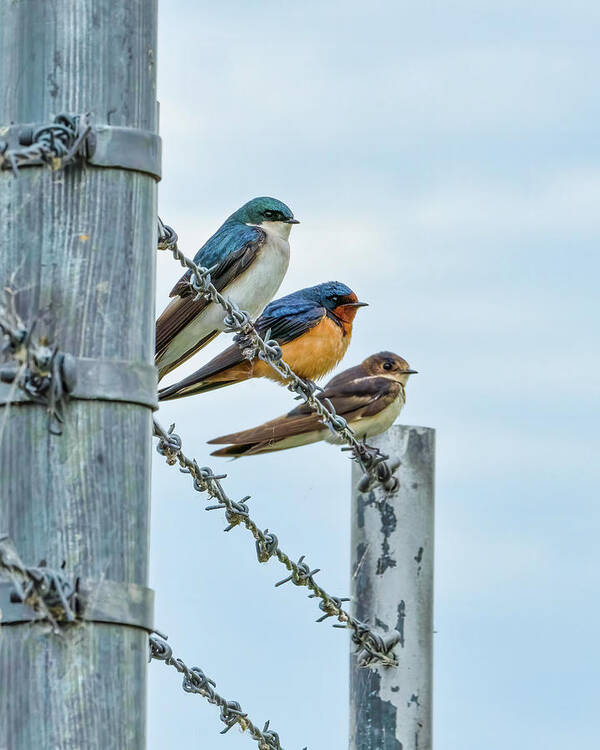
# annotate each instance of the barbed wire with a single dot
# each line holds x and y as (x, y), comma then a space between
(56, 144)
(52, 596)
(370, 647)
(47, 591)
(40, 370)
(371, 460)
(195, 681)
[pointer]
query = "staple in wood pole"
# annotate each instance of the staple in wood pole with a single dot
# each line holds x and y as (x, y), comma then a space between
(79, 247)
(392, 590)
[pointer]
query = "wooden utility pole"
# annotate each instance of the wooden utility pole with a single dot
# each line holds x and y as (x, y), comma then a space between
(392, 590)
(78, 246)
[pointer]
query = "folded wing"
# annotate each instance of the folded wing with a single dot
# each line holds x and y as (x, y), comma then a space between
(282, 323)
(244, 242)
(352, 399)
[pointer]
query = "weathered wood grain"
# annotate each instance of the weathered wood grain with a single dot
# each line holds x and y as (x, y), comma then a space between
(79, 246)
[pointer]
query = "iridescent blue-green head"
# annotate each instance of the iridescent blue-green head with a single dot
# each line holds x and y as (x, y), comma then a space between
(336, 298)
(264, 210)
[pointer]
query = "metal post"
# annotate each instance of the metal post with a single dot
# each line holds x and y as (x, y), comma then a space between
(79, 245)
(392, 589)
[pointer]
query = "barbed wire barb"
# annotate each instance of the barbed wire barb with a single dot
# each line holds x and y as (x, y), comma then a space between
(370, 647)
(371, 460)
(44, 373)
(195, 681)
(47, 591)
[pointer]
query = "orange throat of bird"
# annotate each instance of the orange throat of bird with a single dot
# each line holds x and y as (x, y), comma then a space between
(345, 314)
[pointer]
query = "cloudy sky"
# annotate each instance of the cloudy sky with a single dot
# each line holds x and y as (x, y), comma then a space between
(445, 163)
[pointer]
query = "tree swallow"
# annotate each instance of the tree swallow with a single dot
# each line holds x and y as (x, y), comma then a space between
(369, 396)
(312, 326)
(251, 254)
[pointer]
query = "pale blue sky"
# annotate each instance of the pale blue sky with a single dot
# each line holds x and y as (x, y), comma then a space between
(445, 162)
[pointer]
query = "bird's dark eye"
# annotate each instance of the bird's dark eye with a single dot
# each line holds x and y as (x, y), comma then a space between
(388, 366)
(269, 214)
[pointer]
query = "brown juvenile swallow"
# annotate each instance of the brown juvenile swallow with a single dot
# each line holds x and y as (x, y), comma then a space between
(369, 396)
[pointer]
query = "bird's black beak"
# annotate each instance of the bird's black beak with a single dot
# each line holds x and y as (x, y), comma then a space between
(355, 304)
(411, 372)
(292, 221)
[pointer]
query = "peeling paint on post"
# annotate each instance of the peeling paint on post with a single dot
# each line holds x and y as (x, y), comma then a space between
(392, 589)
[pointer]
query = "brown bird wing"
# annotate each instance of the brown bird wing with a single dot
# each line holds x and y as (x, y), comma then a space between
(345, 377)
(184, 308)
(285, 321)
(352, 399)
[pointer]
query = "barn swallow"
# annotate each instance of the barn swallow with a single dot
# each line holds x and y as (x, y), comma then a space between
(369, 396)
(312, 326)
(251, 253)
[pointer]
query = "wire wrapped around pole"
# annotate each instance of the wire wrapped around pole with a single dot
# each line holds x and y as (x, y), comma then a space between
(44, 373)
(57, 144)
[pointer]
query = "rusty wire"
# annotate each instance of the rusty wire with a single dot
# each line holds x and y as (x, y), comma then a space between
(370, 647)
(373, 463)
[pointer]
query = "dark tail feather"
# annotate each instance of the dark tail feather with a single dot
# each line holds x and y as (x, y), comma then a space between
(226, 368)
(247, 449)
(178, 390)
(162, 371)
(233, 451)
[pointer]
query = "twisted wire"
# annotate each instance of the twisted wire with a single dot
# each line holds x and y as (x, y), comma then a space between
(370, 647)
(46, 590)
(46, 374)
(56, 144)
(371, 460)
(195, 681)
